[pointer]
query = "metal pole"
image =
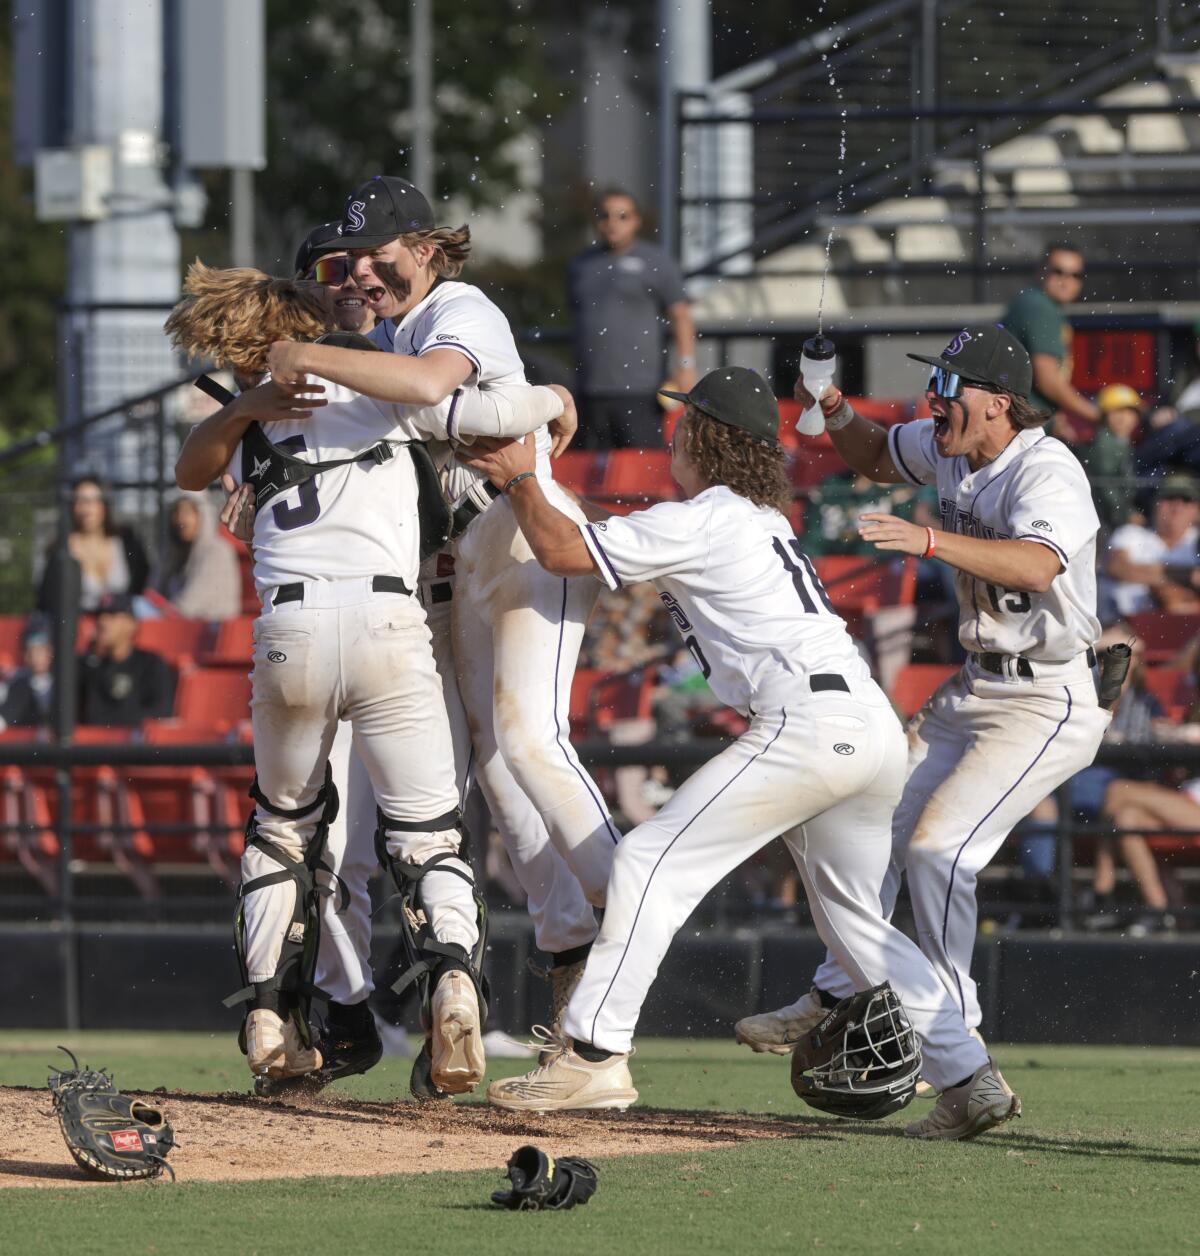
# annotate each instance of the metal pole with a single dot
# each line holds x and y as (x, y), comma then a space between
(670, 170)
(421, 61)
(241, 216)
(980, 284)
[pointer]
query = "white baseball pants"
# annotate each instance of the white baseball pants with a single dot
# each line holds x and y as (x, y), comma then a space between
(517, 633)
(830, 761)
(982, 753)
(562, 917)
(346, 653)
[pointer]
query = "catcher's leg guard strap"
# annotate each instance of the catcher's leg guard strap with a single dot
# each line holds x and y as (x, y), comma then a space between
(292, 982)
(425, 954)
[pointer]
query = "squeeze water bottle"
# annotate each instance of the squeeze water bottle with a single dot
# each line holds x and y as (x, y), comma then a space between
(817, 363)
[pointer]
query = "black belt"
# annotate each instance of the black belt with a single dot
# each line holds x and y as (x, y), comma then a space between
(379, 584)
(827, 680)
(994, 663)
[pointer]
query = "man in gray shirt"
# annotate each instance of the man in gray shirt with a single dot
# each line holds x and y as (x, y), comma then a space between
(623, 292)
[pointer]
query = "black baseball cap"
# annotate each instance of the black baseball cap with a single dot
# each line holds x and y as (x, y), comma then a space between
(327, 238)
(989, 355)
(381, 209)
(1178, 487)
(737, 397)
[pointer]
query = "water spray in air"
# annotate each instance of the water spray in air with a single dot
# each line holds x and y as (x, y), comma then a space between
(818, 361)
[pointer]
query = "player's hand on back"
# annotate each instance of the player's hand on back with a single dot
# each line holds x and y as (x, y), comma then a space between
(563, 429)
(285, 361)
(275, 401)
(238, 512)
(500, 460)
(886, 532)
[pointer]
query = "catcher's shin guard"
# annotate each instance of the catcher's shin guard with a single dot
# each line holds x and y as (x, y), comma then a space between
(426, 957)
(291, 986)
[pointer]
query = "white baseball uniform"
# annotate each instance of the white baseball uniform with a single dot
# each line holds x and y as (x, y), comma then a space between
(824, 751)
(517, 632)
(342, 637)
(987, 748)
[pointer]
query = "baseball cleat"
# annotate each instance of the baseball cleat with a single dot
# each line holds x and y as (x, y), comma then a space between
(779, 1031)
(456, 1039)
(978, 1105)
(925, 1091)
(274, 1048)
(566, 1082)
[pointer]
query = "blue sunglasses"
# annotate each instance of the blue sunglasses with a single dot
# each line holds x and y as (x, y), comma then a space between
(949, 385)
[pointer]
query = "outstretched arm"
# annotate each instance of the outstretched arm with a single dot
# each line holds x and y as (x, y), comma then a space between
(554, 538)
(424, 381)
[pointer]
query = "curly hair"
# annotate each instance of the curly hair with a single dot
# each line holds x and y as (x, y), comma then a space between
(1023, 414)
(231, 317)
(451, 248)
(747, 466)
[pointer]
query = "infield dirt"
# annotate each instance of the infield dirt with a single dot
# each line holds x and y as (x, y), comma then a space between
(235, 1137)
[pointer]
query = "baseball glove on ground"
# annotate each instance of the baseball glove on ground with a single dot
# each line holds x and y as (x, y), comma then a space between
(539, 1181)
(110, 1135)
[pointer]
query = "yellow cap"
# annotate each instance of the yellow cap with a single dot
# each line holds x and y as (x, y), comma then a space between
(1118, 397)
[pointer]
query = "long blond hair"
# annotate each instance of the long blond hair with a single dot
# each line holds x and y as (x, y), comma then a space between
(231, 317)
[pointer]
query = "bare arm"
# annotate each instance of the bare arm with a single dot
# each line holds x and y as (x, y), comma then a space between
(683, 336)
(1122, 567)
(210, 445)
(1048, 380)
(555, 539)
(862, 444)
(424, 381)
(1024, 566)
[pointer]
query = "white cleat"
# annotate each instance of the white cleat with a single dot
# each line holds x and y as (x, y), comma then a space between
(457, 1038)
(566, 1082)
(274, 1047)
(779, 1031)
(978, 1105)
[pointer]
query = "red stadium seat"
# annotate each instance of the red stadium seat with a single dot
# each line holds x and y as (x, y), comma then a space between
(916, 683)
(26, 832)
(177, 640)
(621, 696)
(234, 644)
(11, 627)
(1163, 633)
(637, 476)
(217, 697)
(1172, 686)
(576, 470)
(855, 583)
(814, 462)
(582, 684)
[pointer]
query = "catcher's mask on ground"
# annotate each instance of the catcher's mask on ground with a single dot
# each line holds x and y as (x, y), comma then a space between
(862, 1061)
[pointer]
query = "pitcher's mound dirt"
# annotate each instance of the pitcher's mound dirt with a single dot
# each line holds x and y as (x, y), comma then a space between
(231, 1137)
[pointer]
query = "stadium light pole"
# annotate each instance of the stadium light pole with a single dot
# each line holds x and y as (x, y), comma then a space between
(684, 64)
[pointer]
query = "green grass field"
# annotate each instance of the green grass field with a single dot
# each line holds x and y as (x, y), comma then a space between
(1104, 1160)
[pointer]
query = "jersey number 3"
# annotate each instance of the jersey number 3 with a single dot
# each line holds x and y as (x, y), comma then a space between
(307, 507)
(804, 577)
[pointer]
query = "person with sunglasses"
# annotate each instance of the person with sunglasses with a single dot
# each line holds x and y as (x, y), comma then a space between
(322, 259)
(1036, 319)
(1018, 527)
(623, 291)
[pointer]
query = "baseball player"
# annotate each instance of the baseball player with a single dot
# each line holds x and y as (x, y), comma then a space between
(1019, 528)
(824, 749)
(517, 629)
(341, 637)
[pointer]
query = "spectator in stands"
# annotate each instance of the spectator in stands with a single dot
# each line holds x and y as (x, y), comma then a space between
(833, 507)
(1158, 565)
(110, 557)
(29, 697)
(1037, 320)
(1174, 437)
(201, 578)
(1109, 455)
(120, 684)
(621, 290)
(1131, 803)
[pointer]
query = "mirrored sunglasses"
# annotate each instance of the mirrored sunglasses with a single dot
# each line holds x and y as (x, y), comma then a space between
(332, 270)
(949, 385)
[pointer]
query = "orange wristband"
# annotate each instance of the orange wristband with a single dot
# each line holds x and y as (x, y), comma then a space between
(931, 546)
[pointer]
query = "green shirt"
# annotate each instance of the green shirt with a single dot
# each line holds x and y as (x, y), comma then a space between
(1109, 459)
(833, 508)
(1041, 326)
